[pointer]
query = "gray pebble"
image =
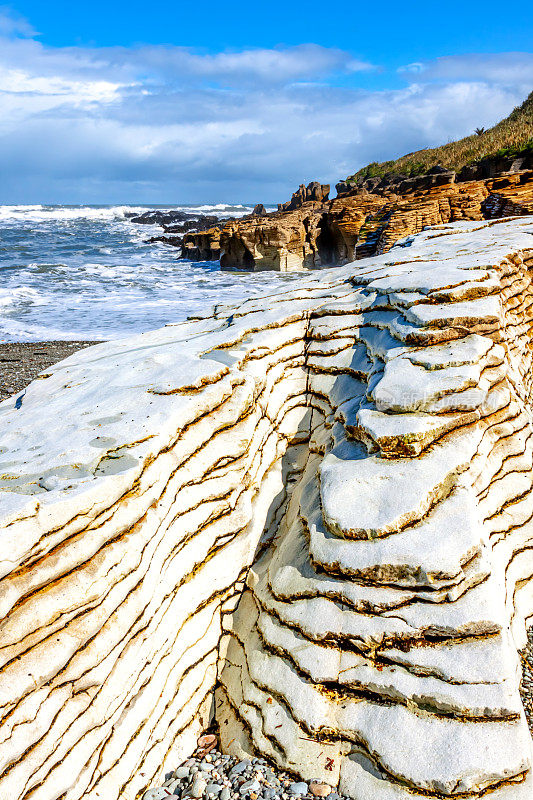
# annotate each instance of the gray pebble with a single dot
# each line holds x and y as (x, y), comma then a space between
(155, 794)
(182, 772)
(225, 794)
(251, 786)
(213, 788)
(197, 787)
(240, 767)
(298, 788)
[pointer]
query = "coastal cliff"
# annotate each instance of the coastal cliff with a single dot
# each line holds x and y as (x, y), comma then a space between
(364, 221)
(307, 518)
(483, 176)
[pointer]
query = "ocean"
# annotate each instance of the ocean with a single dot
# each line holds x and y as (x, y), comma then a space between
(87, 272)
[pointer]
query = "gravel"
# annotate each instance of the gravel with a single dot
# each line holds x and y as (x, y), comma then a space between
(224, 777)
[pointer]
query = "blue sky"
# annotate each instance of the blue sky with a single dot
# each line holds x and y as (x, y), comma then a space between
(201, 102)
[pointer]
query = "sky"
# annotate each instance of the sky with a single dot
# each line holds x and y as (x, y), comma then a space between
(202, 102)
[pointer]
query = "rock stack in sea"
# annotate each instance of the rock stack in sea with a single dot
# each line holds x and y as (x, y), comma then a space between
(305, 519)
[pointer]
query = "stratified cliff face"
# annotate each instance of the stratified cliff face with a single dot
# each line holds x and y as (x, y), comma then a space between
(312, 234)
(364, 441)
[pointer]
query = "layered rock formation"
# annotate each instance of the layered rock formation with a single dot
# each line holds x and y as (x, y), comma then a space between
(308, 234)
(313, 192)
(364, 440)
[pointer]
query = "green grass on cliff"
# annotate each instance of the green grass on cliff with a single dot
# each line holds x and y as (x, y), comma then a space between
(511, 136)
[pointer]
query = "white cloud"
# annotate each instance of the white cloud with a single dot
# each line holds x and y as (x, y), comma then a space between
(168, 124)
(506, 68)
(13, 24)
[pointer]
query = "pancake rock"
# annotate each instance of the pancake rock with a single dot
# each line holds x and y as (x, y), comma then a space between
(313, 192)
(310, 232)
(363, 441)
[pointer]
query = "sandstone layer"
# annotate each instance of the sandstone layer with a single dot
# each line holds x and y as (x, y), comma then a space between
(364, 441)
(310, 232)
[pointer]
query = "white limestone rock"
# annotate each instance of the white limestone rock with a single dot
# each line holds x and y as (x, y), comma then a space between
(363, 439)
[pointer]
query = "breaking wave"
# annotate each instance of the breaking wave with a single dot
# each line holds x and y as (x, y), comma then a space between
(88, 272)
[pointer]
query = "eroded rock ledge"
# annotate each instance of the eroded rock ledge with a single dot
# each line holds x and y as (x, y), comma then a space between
(310, 232)
(364, 441)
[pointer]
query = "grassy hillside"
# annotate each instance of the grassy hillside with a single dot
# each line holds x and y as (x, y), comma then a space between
(510, 136)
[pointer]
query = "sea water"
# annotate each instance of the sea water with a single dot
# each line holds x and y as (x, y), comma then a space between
(88, 272)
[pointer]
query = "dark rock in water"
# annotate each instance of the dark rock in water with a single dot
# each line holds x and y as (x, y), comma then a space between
(174, 223)
(259, 210)
(201, 223)
(156, 217)
(174, 241)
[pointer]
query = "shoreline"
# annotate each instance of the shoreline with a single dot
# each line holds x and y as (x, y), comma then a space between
(21, 362)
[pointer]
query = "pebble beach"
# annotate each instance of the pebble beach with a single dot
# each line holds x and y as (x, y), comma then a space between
(211, 775)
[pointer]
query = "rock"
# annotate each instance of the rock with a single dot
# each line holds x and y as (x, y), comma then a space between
(363, 221)
(213, 788)
(181, 772)
(197, 787)
(156, 217)
(313, 193)
(259, 210)
(156, 794)
(173, 241)
(308, 515)
(345, 187)
(241, 767)
(318, 789)
(202, 245)
(298, 788)
(252, 785)
(206, 742)
(225, 794)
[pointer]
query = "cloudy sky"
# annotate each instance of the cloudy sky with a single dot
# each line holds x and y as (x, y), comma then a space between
(132, 102)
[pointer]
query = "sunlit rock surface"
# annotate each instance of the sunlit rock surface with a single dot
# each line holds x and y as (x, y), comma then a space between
(311, 232)
(364, 441)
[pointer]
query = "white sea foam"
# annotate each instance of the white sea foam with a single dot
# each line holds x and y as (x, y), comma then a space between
(65, 213)
(43, 213)
(88, 272)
